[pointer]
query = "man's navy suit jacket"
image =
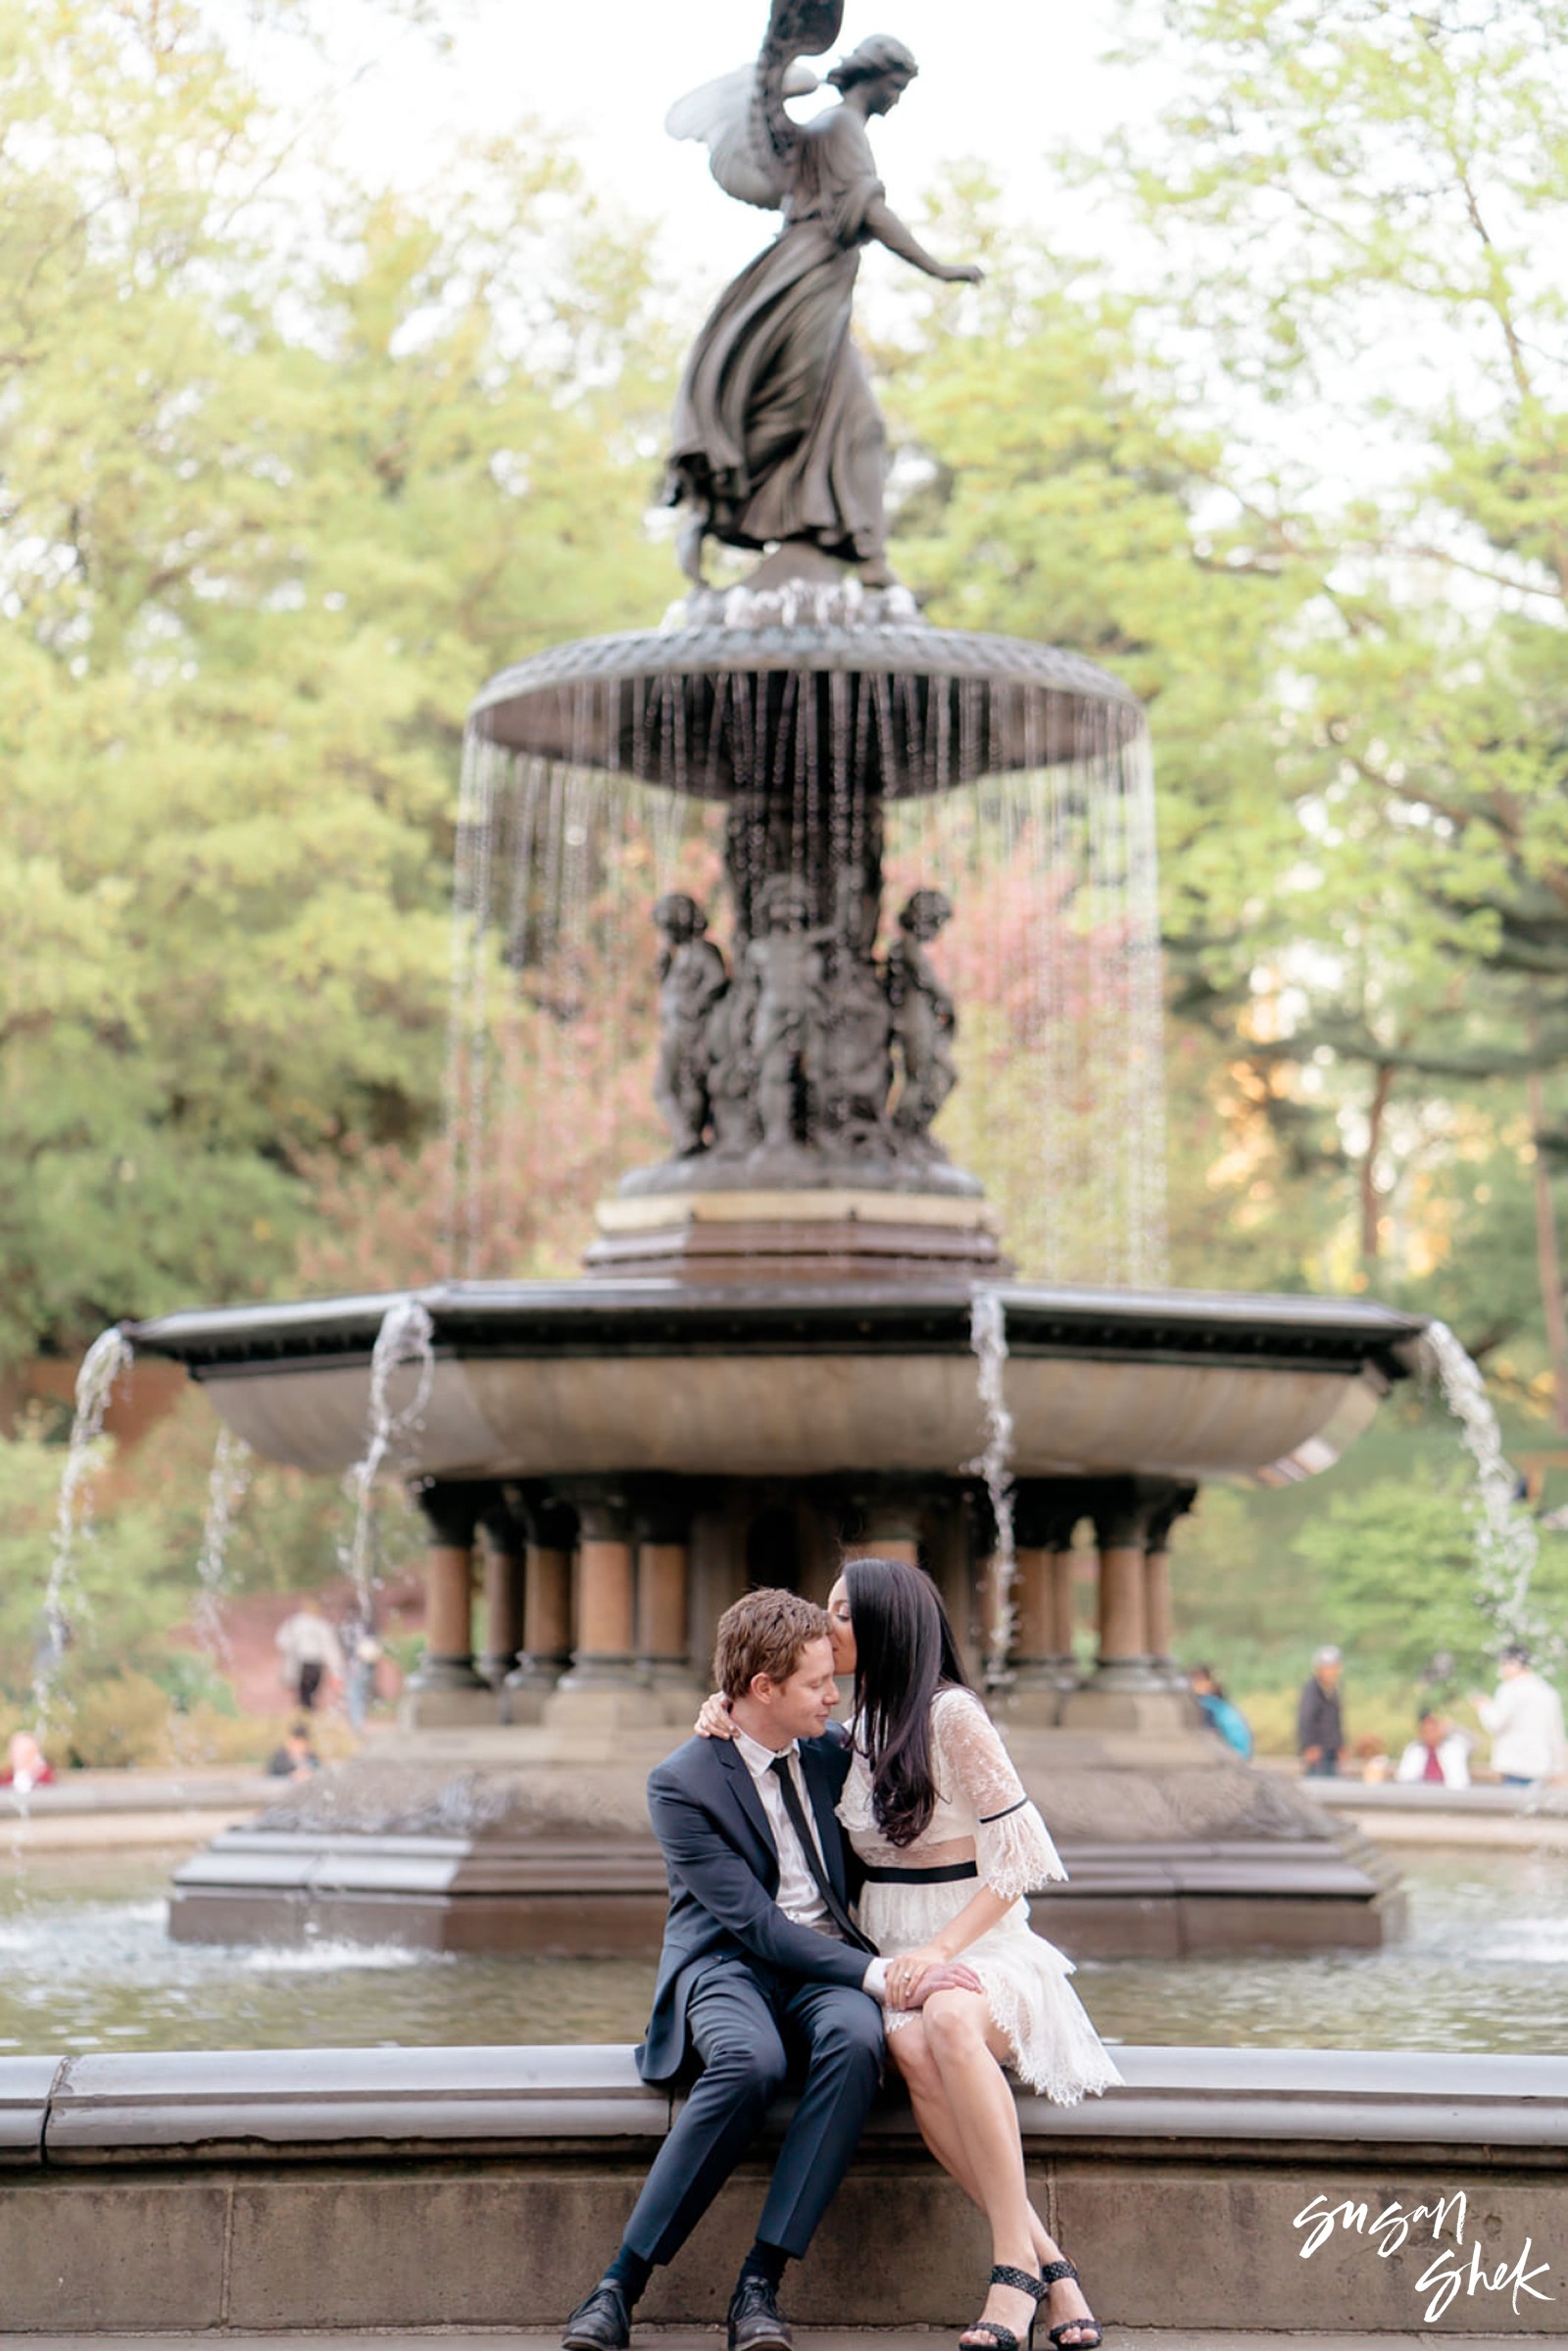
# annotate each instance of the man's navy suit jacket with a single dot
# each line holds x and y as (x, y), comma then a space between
(723, 1873)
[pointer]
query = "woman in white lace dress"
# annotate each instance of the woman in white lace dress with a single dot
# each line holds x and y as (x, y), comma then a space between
(950, 1845)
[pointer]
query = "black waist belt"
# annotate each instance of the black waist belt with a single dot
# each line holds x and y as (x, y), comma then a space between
(950, 1876)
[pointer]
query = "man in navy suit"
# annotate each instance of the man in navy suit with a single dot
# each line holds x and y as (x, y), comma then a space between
(763, 1971)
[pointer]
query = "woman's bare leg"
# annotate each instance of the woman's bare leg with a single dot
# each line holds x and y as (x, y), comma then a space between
(912, 2055)
(967, 2052)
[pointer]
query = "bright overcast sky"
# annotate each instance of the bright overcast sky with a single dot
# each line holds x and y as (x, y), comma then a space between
(1000, 80)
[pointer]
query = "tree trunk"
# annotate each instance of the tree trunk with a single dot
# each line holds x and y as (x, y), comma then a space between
(1548, 1261)
(1370, 1203)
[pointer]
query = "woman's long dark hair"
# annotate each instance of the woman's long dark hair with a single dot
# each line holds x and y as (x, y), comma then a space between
(904, 1653)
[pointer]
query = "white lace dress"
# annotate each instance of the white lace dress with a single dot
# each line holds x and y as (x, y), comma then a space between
(985, 1826)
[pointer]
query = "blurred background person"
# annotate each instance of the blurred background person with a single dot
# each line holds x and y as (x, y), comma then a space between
(26, 1765)
(296, 1758)
(311, 1659)
(1438, 1754)
(1221, 1713)
(1320, 1716)
(361, 1645)
(1524, 1723)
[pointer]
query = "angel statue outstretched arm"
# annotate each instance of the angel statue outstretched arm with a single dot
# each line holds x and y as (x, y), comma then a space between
(777, 437)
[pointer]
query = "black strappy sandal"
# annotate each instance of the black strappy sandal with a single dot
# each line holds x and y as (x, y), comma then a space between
(1027, 2282)
(1087, 2340)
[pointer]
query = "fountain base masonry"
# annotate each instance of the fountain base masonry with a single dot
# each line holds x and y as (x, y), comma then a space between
(532, 1841)
(612, 1462)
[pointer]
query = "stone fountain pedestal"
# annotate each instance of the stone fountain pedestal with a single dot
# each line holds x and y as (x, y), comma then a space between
(613, 1460)
(537, 1842)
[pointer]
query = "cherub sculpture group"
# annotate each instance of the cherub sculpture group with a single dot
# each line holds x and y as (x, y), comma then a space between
(810, 1046)
(777, 437)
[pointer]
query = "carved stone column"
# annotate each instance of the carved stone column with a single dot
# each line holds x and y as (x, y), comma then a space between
(1157, 1610)
(1045, 1513)
(662, 1512)
(447, 1689)
(505, 1550)
(1063, 1615)
(1127, 1690)
(976, 1625)
(886, 1523)
(602, 1687)
(1121, 1508)
(987, 1608)
(552, 1530)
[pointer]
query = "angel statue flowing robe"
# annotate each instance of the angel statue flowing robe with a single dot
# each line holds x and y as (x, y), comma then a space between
(776, 433)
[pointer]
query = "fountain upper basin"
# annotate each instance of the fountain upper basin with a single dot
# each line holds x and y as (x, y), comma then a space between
(685, 707)
(547, 1378)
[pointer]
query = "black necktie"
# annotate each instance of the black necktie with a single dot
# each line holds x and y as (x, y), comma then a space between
(780, 1769)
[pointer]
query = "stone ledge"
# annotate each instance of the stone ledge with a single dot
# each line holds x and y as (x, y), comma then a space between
(1489, 1797)
(476, 2189)
(138, 1791)
(195, 2105)
(219, 2106)
(26, 2088)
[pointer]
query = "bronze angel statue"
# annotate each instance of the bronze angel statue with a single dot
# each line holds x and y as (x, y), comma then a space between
(777, 436)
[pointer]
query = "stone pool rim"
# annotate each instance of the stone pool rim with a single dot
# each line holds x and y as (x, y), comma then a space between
(407, 2188)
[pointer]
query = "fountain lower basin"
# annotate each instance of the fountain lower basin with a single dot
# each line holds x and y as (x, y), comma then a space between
(619, 1458)
(536, 1378)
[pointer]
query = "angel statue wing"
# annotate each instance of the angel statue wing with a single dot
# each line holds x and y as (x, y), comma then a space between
(740, 117)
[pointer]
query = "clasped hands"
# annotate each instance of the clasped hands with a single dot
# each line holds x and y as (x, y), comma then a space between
(913, 1976)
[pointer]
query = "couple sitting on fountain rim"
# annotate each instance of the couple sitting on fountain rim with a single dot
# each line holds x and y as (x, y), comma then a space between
(834, 1896)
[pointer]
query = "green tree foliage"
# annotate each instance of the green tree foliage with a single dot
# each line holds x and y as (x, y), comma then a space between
(1361, 211)
(1053, 484)
(129, 1582)
(271, 503)
(1396, 1564)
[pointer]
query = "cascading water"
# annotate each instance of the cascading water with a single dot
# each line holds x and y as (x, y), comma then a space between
(876, 759)
(1506, 1542)
(109, 1357)
(403, 1350)
(228, 1483)
(988, 1335)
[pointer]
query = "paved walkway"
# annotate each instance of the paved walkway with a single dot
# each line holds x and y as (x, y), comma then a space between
(695, 2339)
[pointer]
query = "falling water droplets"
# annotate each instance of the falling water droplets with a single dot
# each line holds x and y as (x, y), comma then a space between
(402, 1374)
(228, 1483)
(108, 1355)
(1507, 1540)
(1028, 798)
(988, 1337)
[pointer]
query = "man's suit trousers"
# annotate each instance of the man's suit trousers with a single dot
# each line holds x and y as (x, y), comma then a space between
(752, 2030)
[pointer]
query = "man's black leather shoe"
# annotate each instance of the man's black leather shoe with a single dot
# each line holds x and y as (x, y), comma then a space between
(601, 2323)
(754, 2324)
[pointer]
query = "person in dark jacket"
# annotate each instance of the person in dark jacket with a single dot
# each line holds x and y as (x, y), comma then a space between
(1319, 1718)
(762, 1967)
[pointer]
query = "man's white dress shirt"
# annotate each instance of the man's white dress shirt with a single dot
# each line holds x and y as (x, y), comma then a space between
(799, 1895)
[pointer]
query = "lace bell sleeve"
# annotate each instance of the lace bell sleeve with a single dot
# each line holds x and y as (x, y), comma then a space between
(1012, 1844)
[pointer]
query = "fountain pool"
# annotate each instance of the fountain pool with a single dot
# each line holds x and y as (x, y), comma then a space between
(85, 1963)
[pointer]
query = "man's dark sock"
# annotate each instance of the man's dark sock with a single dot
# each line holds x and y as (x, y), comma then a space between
(631, 2274)
(766, 2261)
